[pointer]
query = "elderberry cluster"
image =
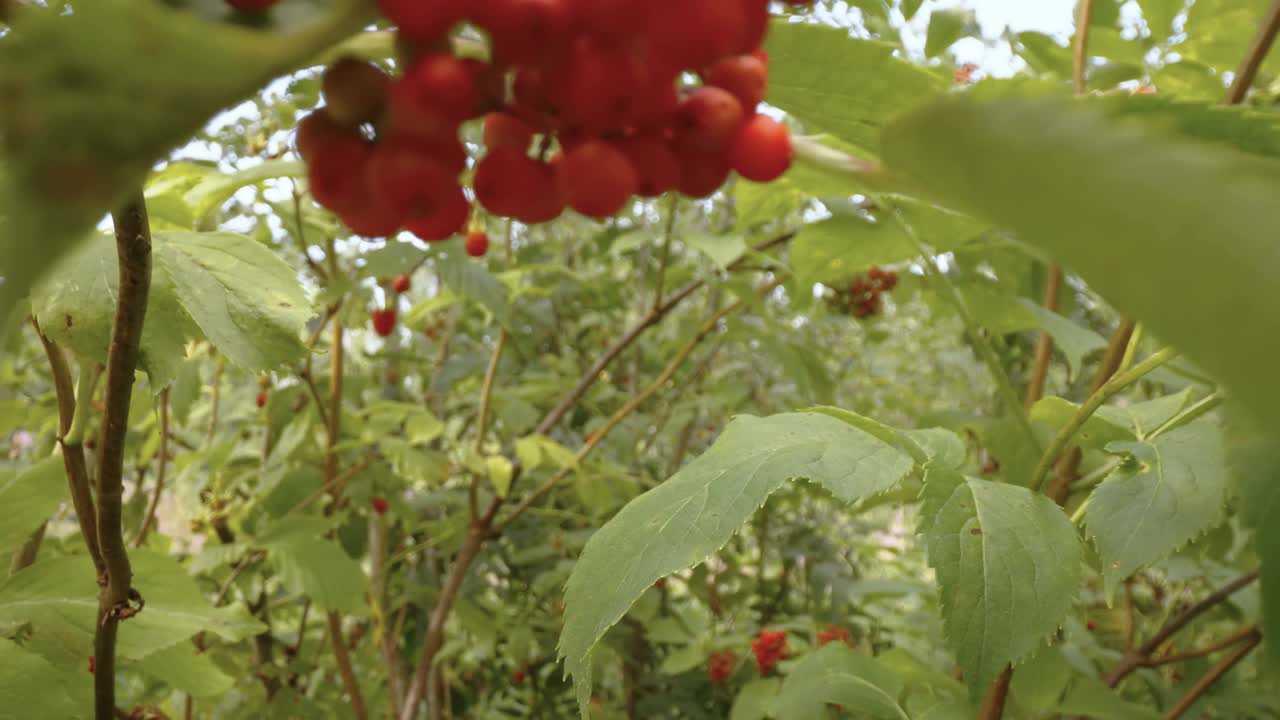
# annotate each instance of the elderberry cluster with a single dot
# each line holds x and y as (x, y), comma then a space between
(585, 105)
(862, 298)
(769, 648)
(720, 665)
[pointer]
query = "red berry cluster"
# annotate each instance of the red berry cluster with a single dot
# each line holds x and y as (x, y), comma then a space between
(582, 104)
(863, 296)
(769, 648)
(832, 634)
(720, 665)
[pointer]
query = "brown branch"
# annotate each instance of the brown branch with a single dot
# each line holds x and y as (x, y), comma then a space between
(163, 460)
(1248, 69)
(993, 702)
(1241, 634)
(133, 249)
(1080, 52)
(1044, 344)
(1215, 673)
(343, 658)
(649, 320)
(1138, 658)
(73, 460)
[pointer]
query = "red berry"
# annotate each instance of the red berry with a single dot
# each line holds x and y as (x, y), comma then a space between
(720, 665)
(250, 6)
(598, 179)
(355, 91)
(831, 634)
(93, 665)
(769, 648)
(602, 87)
(436, 94)
(1091, 625)
(608, 18)
(696, 33)
(761, 149)
(380, 505)
(401, 284)
(423, 21)
(656, 165)
(744, 76)
(262, 399)
(506, 130)
(409, 178)
(518, 676)
(512, 184)
(384, 321)
(701, 174)
(707, 120)
(477, 243)
(443, 217)
(336, 171)
(524, 31)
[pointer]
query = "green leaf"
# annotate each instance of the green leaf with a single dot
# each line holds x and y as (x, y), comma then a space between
(909, 8)
(1009, 565)
(835, 83)
(754, 699)
(59, 597)
(311, 565)
(1254, 458)
(946, 26)
(1219, 31)
(1074, 341)
(209, 194)
(722, 249)
(682, 521)
(184, 668)
(1173, 491)
(1043, 54)
(469, 278)
(29, 498)
(1093, 699)
(833, 250)
(835, 674)
(222, 286)
(1160, 15)
(1038, 684)
(500, 472)
(1212, 231)
(94, 98)
(31, 687)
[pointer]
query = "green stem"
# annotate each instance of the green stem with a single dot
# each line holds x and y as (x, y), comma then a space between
(1086, 411)
(85, 386)
(1196, 411)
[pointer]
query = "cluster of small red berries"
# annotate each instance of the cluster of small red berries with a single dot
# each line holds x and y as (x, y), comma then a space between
(582, 108)
(769, 648)
(832, 634)
(720, 665)
(863, 296)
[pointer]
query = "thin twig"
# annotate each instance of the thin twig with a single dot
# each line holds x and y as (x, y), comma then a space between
(665, 257)
(163, 463)
(1248, 69)
(1080, 52)
(1241, 634)
(482, 423)
(1214, 675)
(133, 249)
(1044, 343)
(343, 658)
(1113, 386)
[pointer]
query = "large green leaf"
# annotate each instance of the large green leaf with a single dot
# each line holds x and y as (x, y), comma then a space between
(185, 668)
(29, 498)
(31, 687)
(1171, 490)
(59, 598)
(226, 287)
(469, 278)
(93, 98)
(1254, 457)
(835, 83)
(682, 521)
(319, 568)
(946, 26)
(835, 674)
(1009, 566)
(1133, 209)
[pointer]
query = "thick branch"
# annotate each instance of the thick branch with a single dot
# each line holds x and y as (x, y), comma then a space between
(343, 658)
(994, 701)
(1252, 60)
(133, 249)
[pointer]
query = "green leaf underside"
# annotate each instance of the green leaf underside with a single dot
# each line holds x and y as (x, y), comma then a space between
(185, 668)
(29, 498)
(679, 523)
(223, 286)
(1188, 214)
(1176, 492)
(59, 597)
(1254, 456)
(92, 99)
(1008, 563)
(835, 674)
(31, 687)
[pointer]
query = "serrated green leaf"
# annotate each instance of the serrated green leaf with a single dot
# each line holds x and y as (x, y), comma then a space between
(835, 674)
(1009, 566)
(469, 278)
(1175, 492)
(835, 83)
(59, 597)
(1100, 429)
(946, 26)
(31, 687)
(30, 498)
(1212, 232)
(1074, 341)
(184, 668)
(84, 120)
(209, 194)
(319, 569)
(682, 521)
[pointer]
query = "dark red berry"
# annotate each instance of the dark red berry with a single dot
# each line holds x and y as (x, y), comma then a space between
(477, 243)
(262, 399)
(384, 321)
(423, 21)
(599, 179)
(401, 284)
(707, 120)
(380, 505)
(355, 91)
(761, 149)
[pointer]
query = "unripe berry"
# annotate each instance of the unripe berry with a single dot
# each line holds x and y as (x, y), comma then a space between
(706, 120)
(598, 179)
(355, 91)
(761, 150)
(477, 243)
(384, 321)
(401, 283)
